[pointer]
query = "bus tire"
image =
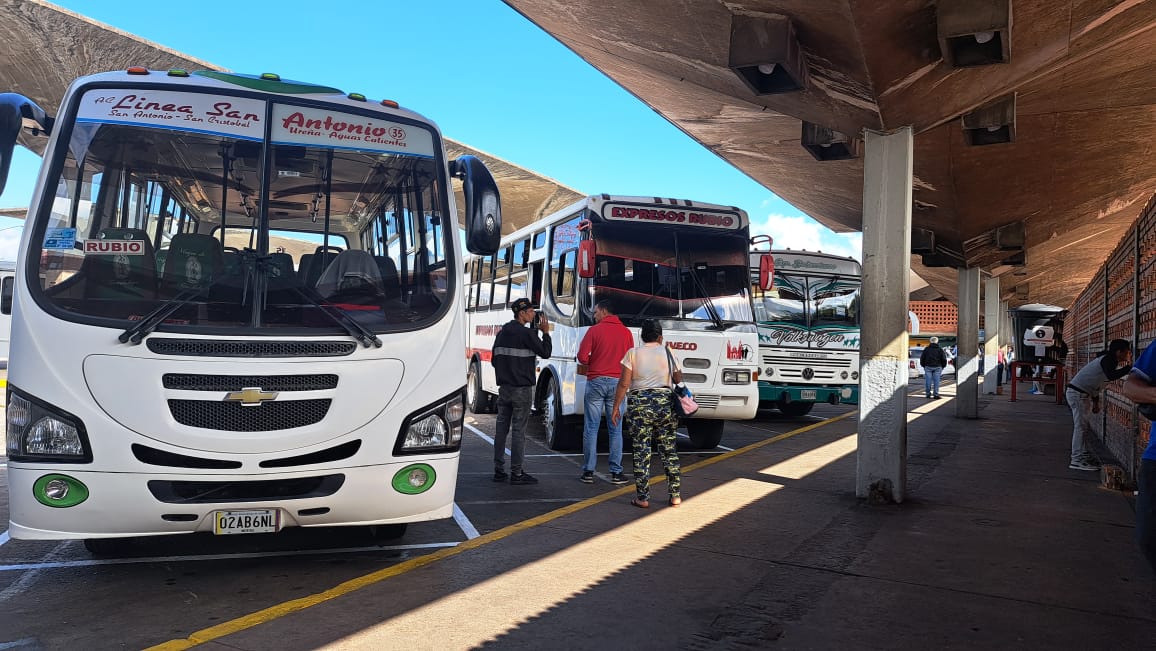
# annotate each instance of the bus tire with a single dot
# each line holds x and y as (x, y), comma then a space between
(103, 547)
(560, 434)
(796, 409)
(477, 399)
(386, 532)
(704, 434)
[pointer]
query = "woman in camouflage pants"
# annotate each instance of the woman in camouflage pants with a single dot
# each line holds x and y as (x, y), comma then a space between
(646, 383)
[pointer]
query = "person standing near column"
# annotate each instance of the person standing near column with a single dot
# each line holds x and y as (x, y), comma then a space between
(932, 359)
(1140, 387)
(600, 356)
(515, 349)
(1112, 364)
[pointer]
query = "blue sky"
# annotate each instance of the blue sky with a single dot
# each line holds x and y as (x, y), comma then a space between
(487, 76)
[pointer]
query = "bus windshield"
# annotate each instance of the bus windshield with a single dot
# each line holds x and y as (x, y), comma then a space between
(243, 233)
(669, 273)
(809, 301)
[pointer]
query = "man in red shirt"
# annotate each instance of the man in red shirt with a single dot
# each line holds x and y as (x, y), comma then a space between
(600, 359)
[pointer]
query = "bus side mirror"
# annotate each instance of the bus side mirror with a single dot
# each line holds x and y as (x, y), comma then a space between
(483, 205)
(766, 271)
(587, 254)
(17, 112)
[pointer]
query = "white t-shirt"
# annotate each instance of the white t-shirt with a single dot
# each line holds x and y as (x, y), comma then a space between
(649, 367)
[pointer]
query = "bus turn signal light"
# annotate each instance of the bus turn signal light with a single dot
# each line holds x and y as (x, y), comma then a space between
(137, 70)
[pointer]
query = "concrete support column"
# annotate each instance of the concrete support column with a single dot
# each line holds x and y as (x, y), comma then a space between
(882, 455)
(992, 333)
(967, 337)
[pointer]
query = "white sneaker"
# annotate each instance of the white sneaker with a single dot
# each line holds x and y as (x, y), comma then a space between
(1082, 465)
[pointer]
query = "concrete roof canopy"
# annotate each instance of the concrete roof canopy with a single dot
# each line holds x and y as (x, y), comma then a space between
(1076, 87)
(43, 48)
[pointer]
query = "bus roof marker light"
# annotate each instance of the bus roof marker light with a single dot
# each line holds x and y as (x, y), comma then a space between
(357, 97)
(137, 70)
(390, 103)
(270, 76)
(177, 72)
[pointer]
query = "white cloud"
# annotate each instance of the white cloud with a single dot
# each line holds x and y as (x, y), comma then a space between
(802, 232)
(9, 243)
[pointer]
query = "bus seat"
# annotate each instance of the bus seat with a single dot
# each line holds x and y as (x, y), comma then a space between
(390, 279)
(322, 258)
(281, 273)
(121, 276)
(352, 272)
(194, 261)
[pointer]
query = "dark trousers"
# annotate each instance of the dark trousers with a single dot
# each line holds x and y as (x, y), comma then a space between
(999, 369)
(1146, 511)
(513, 413)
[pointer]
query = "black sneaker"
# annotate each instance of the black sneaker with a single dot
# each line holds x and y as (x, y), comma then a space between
(587, 477)
(618, 478)
(522, 478)
(500, 475)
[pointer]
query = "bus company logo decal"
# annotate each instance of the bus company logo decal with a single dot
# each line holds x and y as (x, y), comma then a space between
(250, 396)
(820, 339)
(683, 345)
(114, 247)
(739, 351)
(676, 216)
(340, 129)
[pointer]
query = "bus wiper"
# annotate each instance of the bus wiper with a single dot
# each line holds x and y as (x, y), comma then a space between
(711, 310)
(347, 323)
(150, 321)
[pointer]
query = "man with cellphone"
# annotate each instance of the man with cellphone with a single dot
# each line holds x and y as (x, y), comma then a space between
(514, 352)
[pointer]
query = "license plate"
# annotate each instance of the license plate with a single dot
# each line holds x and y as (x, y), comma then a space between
(807, 394)
(253, 521)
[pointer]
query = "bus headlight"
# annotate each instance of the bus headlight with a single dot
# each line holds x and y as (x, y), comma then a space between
(854, 375)
(736, 377)
(36, 432)
(436, 428)
(843, 375)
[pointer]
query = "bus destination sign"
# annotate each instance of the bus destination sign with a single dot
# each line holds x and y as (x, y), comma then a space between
(688, 217)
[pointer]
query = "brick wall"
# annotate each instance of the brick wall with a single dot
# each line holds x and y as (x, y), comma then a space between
(1118, 303)
(940, 317)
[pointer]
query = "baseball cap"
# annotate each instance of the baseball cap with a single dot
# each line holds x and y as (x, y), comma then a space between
(520, 304)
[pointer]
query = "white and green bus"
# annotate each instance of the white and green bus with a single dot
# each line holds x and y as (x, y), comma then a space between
(808, 314)
(238, 309)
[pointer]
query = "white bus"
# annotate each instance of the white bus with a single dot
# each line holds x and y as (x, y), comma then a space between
(681, 262)
(238, 310)
(808, 319)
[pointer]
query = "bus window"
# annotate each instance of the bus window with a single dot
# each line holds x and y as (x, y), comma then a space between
(501, 278)
(485, 275)
(539, 239)
(563, 255)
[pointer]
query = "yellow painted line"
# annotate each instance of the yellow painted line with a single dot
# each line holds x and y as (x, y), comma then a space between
(289, 607)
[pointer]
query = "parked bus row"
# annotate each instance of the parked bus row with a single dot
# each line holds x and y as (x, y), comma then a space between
(750, 327)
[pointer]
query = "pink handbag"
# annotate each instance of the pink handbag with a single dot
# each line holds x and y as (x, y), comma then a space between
(684, 403)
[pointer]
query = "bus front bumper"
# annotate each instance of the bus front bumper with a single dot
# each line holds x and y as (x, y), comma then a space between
(808, 393)
(121, 504)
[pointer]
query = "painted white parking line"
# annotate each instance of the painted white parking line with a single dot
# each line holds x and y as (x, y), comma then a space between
(4, 538)
(20, 567)
(540, 500)
(485, 437)
(464, 522)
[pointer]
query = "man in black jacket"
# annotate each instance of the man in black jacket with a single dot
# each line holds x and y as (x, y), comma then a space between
(515, 349)
(932, 359)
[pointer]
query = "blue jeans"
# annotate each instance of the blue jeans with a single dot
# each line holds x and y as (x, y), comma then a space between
(599, 402)
(1146, 511)
(931, 380)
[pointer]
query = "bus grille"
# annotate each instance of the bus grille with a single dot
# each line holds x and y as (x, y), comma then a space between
(212, 348)
(187, 382)
(235, 417)
(836, 362)
(216, 492)
(706, 401)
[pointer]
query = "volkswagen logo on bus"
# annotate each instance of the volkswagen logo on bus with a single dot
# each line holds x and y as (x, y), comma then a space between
(250, 396)
(808, 373)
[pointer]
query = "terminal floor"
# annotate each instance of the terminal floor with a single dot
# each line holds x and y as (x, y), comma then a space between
(998, 545)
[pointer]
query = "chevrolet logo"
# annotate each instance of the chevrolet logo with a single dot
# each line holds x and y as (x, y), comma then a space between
(250, 396)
